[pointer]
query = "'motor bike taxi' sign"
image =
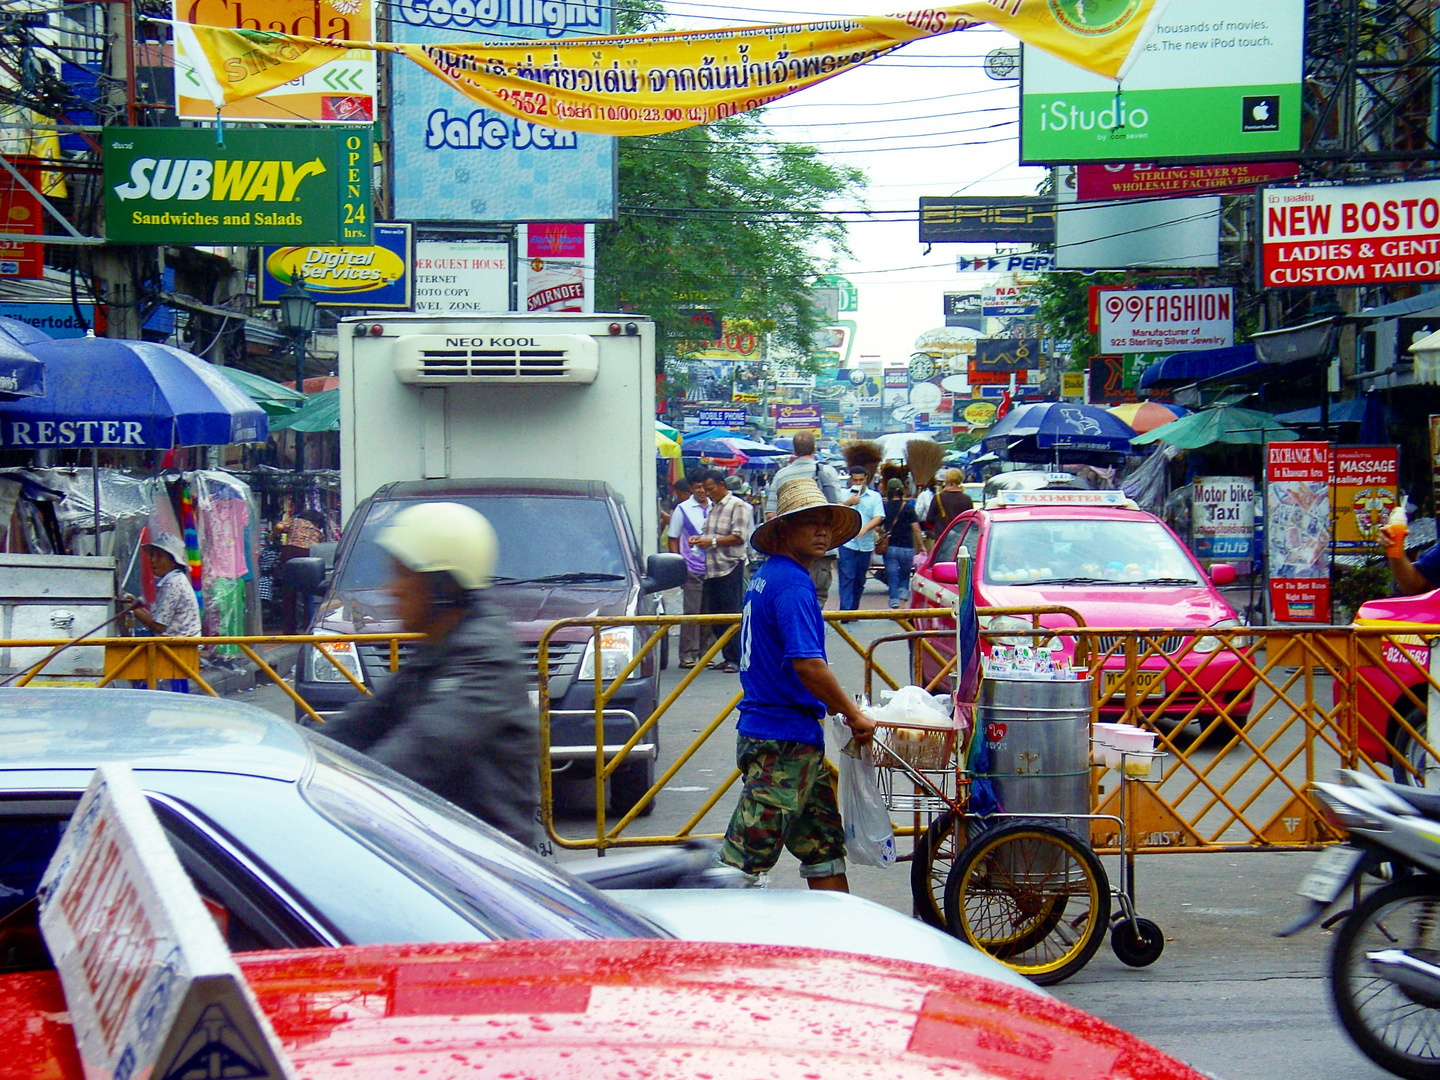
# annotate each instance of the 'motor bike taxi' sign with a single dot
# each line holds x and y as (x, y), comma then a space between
(181, 186)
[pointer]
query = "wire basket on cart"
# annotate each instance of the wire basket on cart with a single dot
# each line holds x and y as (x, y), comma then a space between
(915, 767)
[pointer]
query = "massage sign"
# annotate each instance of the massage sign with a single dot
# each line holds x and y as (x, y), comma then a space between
(1363, 235)
(271, 186)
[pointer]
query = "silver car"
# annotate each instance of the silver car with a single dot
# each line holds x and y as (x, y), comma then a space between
(296, 841)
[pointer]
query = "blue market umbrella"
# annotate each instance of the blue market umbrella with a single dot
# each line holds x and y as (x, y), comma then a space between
(103, 392)
(22, 333)
(1040, 431)
(726, 448)
(22, 374)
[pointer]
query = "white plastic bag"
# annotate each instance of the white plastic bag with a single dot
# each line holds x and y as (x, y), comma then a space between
(869, 836)
(913, 706)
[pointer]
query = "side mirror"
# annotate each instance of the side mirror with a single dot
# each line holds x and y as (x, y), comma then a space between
(664, 571)
(306, 575)
(945, 573)
(1222, 574)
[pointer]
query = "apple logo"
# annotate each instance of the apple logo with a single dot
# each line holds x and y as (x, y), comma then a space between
(1261, 112)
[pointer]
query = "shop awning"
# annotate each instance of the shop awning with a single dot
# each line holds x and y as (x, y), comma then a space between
(1191, 367)
(1342, 412)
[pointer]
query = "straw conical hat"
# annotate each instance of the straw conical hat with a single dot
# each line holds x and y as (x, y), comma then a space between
(795, 497)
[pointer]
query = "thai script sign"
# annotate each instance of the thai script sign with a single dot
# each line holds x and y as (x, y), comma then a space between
(348, 276)
(798, 417)
(1366, 489)
(652, 83)
(1223, 519)
(1171, 320)
(341, 91)
(271, 186)
(1366, 234)
(1297, 530)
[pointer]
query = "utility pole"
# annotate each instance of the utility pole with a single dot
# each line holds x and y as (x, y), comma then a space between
(113, 266)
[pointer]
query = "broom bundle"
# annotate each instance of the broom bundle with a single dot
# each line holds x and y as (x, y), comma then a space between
(863, 454)
(892, 470)
(924, 458)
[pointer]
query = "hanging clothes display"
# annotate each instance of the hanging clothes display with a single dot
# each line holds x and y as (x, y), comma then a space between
(224, 520)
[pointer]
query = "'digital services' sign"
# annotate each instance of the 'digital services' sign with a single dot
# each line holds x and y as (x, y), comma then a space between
(271, 186)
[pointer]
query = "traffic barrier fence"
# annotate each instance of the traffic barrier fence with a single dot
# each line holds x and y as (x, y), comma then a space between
(1249, 717)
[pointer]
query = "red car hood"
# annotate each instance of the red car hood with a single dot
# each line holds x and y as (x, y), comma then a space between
(1133, 607)
(573, 1010)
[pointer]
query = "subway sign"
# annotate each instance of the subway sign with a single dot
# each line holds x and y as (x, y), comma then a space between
(270, 186)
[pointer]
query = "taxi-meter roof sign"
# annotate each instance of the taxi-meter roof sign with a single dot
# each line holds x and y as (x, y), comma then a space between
(150, 984)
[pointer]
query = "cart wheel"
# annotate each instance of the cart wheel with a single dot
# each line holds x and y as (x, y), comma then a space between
(1032, 896)
(1138, 944)
(934, 856)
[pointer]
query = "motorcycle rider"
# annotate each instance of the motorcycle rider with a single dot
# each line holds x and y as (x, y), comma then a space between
(457, 717)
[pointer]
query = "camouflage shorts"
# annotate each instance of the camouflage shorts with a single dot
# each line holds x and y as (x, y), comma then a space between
(788, 800)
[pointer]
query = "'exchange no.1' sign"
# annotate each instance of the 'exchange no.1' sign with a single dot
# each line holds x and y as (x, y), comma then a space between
(1166, 320)
(1359, 235)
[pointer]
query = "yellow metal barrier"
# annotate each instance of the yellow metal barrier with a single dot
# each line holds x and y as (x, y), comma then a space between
(150, 659)
(1249, 717)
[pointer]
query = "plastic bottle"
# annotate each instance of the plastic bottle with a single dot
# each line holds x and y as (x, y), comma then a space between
(1399, 527)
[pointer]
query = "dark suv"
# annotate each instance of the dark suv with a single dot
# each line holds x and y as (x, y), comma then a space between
(566, 550)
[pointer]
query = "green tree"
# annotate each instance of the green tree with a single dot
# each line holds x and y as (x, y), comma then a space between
(724, 217)
(1064, 302)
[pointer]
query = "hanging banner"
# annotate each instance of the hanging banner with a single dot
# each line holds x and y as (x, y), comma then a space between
(652, 83)
(1297, 530)
(259, 186)
(341, 91)
(1223, 520)
(374, 275)
(1009, 299)
(1366, 489)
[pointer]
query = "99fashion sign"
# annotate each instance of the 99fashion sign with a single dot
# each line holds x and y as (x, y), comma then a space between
(273, 186)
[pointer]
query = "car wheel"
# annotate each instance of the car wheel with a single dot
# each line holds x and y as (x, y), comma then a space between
(1410, 763)
(629, 785)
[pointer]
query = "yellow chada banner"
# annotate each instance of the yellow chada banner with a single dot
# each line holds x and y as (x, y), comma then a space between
(652, 83)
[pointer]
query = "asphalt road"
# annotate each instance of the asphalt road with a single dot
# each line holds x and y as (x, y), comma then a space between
(1226, 996)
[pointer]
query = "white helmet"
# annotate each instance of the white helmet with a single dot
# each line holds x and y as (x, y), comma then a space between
(443, 537)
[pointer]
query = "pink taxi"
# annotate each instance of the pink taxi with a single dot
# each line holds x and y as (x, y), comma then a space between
(1384, 689)
(1118, 567)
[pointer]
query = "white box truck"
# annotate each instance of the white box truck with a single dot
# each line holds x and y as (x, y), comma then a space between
(553, 396)
(546, 425)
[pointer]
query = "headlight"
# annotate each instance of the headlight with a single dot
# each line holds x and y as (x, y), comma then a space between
(617, 646)
(1008, 622)
(345, 653)
(1209, 643)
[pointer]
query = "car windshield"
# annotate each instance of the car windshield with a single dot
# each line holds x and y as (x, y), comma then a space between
(554, 537)
(500, 887)
(1083, 551)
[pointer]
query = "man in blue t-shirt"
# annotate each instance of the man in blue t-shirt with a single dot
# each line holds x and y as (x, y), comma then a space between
(788, 799)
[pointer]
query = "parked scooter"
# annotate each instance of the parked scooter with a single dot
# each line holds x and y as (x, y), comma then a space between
(1385, 967)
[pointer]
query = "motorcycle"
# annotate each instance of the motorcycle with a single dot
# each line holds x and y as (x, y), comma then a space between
(1385, 966)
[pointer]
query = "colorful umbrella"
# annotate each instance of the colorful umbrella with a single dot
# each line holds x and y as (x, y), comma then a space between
(665, 447)
(321, 413)
(1035, 432)
(275, 399)
(1146, 416)
(1227, 424)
